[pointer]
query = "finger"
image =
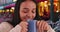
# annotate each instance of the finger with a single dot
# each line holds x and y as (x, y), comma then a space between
(23, 23)
(25, 29)
(25, 26)
(26, 23)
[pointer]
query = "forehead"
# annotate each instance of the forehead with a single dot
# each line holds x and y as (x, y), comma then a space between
(28, 4)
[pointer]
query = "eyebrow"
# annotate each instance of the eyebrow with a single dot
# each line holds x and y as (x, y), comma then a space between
(28, 8)
(34, 8)
(25, 8)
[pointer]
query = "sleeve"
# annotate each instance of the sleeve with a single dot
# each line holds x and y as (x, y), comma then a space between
(50, 29)
(17, 28)
(5, 27)
(43, 26)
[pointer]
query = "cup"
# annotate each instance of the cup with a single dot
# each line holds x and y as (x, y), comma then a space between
(32, 25)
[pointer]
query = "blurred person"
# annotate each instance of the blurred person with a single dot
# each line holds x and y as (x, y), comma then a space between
(24, 10)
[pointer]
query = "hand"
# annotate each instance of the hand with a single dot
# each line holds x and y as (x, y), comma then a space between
(24, 26)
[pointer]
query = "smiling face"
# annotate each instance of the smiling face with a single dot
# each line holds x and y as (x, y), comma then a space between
(27, 10)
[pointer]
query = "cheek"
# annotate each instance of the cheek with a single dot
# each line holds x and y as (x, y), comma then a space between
(22, 15)
(34, 15)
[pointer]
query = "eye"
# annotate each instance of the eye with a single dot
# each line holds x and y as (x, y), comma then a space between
(25, 11)
(34, 11)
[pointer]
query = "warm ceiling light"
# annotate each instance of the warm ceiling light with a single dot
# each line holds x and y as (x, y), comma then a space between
(7, 10)
(55, 0)
(45, 5)
(11, 10)
(14, 0)
(57, 11)
(12, 7)
(3, 10)
(42, 3)
(0, 10)
(45, 1)
(49, 4)
(56, 4)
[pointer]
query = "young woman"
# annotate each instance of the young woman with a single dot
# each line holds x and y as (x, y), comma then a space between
(24, 10)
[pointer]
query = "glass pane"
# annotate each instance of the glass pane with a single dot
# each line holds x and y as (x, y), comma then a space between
(56, 10)
(44, 9)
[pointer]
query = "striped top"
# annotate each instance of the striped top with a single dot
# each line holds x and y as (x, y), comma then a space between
(43, 26)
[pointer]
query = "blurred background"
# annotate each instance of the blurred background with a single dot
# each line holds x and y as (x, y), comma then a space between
(6, 10)
(49, 10)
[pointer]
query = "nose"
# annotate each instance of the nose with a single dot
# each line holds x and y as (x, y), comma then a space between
(29, 15)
